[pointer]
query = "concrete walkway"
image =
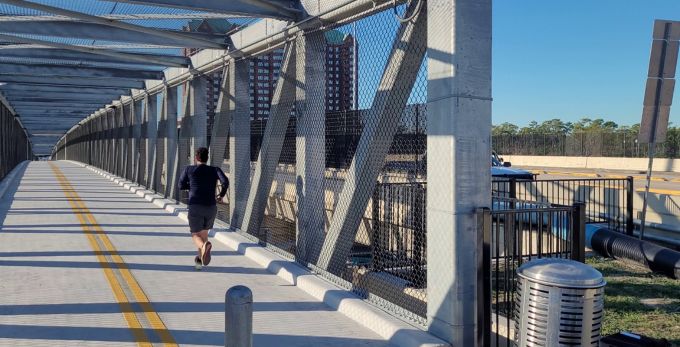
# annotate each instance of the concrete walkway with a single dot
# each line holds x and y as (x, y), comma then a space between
(86, 262)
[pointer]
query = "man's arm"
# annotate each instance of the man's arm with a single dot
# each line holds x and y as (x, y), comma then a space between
(224, 180)
(183, 183)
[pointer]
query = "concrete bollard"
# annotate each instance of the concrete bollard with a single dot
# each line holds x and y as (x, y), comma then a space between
(238, 317)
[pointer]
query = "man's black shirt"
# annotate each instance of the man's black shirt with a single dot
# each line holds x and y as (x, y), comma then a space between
(201, 181)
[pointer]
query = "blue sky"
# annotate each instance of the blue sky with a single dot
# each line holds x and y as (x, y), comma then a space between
(574, 59)
(551, 59)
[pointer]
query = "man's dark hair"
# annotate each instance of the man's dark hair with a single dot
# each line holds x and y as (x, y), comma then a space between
(202, 154)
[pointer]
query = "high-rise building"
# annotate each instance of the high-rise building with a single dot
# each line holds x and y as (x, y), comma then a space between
(213, 26)
(341, 89)
(341, 72)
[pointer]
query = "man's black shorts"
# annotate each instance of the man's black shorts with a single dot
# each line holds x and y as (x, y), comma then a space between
(201, 217)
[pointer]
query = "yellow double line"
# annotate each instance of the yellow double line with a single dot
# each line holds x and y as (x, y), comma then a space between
(113, 267)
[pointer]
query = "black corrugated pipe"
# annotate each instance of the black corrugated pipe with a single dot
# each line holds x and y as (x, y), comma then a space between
(619, 246)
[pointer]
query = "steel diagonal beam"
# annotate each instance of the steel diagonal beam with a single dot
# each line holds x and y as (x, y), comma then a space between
(55, 70)
(272, 142)
(157, 60)
(96, 31)
(188, 40)
(62, 81)
(408, 51)
(63, 54)
(252, 8)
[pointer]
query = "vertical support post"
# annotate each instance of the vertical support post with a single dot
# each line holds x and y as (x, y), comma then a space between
(578, 237)
(170, 119)
(310, 146)
(630, 227)
(151, 119)
(484, 277)
(513, 192)
(198, 108)
(458, 167)
(111, 133)
(272, 142)
(238, 317)
(136, 139)
(121, 138)
(239, 140)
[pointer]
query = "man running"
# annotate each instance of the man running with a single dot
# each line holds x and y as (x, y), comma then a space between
(201, 179)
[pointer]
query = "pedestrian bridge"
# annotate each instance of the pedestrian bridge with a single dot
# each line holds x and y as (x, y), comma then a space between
(354, 133)
(86, 261)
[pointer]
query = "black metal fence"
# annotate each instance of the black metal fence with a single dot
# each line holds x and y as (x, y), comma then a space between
(399, 229)
(517, 232)
(595, 144)
(607, 200)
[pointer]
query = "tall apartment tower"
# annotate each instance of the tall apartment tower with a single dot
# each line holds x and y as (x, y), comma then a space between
(213, 26)
(341, 89)
(341, 72)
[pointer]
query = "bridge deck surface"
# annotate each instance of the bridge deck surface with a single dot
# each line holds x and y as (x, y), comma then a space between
(85, 262)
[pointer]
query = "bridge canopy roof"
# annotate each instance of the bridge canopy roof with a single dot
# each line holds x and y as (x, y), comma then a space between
(87, 53)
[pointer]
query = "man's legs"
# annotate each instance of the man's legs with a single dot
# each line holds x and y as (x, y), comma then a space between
(200, 238)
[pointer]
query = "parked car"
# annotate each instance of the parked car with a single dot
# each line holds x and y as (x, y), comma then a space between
(501, 169)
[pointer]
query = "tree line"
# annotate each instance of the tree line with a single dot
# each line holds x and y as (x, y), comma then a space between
(584, 137)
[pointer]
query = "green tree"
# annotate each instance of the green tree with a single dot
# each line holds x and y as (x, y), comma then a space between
(504, 129)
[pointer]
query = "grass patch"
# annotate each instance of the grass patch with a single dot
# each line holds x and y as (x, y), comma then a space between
(639, 301)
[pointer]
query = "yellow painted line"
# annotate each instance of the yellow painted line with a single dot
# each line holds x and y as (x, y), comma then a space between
(92, 228)
(660, 191)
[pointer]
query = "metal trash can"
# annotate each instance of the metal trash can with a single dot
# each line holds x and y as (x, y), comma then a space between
(559, 302)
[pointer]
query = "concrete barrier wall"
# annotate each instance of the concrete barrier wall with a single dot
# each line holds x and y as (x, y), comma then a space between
(612, 163)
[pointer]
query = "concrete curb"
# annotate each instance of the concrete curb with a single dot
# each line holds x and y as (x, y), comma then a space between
(9, 178)
(397, 332)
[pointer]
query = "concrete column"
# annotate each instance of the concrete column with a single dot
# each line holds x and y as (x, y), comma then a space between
(396, 84)
(151, 132)
(198, 108)
(272, 142)
(137, 110)
(458, 167)
(170, 119)
(239, 140)
(310, 162)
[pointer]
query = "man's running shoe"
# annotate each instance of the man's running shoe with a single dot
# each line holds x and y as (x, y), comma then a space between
(198, 265)
(205, 254)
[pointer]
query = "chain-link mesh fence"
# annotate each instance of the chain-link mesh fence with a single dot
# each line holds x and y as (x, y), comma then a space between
(323, 139)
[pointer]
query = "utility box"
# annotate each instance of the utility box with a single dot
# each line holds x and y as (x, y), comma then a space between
(559, 302)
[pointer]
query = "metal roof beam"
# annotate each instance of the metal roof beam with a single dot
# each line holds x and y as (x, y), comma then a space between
(13, 95)
(27, 106)
(75, 71)
(14, 88)
(90, 50)
(97, 99)
(96, 31)
(190, 40)
(280, 9)
(64, 54)
(62, 81)
(123, 16)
